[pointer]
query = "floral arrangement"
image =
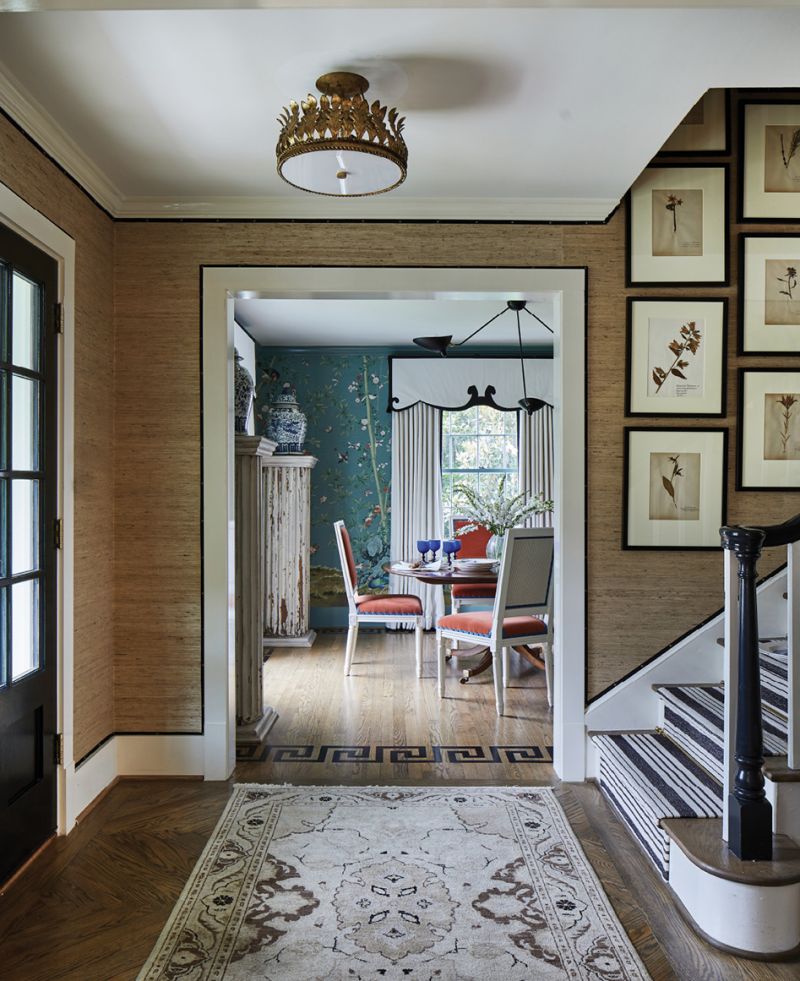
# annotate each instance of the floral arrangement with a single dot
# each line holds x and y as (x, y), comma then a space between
(495, 511)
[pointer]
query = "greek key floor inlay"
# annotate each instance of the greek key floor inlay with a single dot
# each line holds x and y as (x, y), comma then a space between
(395, 754)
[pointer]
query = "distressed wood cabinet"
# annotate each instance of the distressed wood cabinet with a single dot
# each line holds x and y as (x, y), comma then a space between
(253, 718)
(287, 580)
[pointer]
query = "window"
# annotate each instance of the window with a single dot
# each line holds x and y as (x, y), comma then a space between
(479, 448)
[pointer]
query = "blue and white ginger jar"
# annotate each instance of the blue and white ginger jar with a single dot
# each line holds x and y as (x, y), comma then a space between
(287, 423)
(242, 393)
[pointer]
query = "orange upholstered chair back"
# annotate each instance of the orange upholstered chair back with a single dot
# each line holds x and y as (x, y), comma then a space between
(348, 561)
(473, 544)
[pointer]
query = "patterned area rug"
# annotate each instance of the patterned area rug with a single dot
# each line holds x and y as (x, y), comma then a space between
(426, 884)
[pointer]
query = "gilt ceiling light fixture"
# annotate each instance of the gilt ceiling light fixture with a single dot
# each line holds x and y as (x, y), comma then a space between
(441, 345)
(339, 144)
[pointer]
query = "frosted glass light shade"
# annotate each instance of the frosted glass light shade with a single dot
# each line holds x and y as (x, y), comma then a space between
(342, 173)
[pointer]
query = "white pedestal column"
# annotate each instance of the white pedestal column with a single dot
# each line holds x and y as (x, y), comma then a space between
(287, 583)
(254, 719)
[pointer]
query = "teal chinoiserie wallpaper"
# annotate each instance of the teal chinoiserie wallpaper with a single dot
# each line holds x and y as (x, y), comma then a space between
(344, 396)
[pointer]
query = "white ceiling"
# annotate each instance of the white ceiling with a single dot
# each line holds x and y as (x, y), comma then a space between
(512, 111)
(389, 323)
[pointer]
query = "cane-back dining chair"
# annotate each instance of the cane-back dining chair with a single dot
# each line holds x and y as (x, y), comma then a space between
(473, 546)
(522, 614)
(384, 608)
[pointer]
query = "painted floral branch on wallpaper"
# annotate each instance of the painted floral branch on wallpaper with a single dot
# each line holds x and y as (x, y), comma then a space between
(347, 432)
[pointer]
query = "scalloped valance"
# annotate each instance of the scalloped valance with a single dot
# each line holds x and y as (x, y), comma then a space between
(458, 383)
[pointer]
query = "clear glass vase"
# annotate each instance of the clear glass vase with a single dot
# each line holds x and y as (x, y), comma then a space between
(494, 547)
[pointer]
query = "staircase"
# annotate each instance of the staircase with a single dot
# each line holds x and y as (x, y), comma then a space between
(676, 771)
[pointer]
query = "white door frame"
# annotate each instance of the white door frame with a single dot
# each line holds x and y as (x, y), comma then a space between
(32, 225)
(220, 285)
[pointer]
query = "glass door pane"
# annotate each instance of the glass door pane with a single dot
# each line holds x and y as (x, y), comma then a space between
(24, 526)
(25, 323)
(24, 423)
(24, 628)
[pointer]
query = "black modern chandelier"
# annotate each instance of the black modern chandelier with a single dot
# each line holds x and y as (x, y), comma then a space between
(442, 344)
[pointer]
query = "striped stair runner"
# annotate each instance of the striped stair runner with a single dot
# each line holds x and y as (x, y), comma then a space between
(647, 778)
(677, 773)
(694, 719)
(775, 674)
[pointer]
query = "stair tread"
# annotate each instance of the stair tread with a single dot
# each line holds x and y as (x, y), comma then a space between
(700, 708)
(648, 778)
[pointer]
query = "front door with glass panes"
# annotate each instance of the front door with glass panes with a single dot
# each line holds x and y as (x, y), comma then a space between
(28, 463)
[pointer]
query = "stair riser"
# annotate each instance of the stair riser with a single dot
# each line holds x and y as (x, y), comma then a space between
(642, 824)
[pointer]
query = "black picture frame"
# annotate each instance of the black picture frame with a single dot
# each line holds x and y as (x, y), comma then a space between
(743, 266)
(631, 301)
(631, 283)
(741, 431)
(790, 98)
(705, 154)
(626, 489)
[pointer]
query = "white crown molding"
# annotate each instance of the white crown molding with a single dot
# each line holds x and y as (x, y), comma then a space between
(44, 130)
(309, 207)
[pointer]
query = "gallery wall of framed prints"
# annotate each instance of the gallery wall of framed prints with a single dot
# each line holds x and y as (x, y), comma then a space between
(700, 272)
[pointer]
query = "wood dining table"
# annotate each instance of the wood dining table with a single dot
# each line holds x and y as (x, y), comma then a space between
(452, 576)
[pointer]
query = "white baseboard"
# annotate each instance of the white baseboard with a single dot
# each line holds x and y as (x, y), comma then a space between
(94, 774)
(133, 756)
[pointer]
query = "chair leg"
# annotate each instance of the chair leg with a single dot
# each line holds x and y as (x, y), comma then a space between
(548, 672)
(350, 647)
(418, 646)
(498, 681)
(505, 667)
(440, 654)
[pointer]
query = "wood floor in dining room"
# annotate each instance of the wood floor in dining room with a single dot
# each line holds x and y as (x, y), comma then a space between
(92, 905)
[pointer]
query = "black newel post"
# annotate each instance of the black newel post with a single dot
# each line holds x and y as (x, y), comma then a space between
(749, 811)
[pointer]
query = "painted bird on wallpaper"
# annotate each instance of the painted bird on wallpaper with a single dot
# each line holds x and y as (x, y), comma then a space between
(343, 457)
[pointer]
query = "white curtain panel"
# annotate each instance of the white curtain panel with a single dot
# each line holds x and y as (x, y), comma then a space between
(536, 459)
(417, 497)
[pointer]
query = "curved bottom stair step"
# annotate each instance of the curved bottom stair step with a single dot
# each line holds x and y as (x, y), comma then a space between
(648, 778)
(694, 718)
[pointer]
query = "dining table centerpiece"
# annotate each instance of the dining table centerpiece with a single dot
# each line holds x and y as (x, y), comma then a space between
(497, 511)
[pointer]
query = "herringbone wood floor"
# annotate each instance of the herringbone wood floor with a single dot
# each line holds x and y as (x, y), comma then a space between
(91, 906)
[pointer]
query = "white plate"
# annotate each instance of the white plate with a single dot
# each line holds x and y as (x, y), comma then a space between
(475, 563)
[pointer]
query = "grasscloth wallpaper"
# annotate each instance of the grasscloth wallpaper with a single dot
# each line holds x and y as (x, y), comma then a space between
(638, 601)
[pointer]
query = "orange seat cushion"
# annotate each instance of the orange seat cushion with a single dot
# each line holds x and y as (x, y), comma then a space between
(464, 590)
(393, 604)
(481, 624)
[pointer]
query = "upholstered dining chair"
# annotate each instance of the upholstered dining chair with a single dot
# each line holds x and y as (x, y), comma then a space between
(386, 608)
(473, 546)
(523, 610)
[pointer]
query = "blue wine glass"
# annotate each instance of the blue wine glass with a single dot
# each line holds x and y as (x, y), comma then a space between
(457, 543)
(434, 545)
(448, 546)
(422, 547)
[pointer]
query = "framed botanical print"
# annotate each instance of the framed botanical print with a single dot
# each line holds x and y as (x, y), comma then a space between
(768, 445)
(705, 129)
(676, 356)
(675, 488)
(769, 305)
(677, 226)
(769, 185)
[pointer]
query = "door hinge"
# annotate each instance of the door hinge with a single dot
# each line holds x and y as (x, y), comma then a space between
(58, 749)
(58, 533)
(59, 318)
